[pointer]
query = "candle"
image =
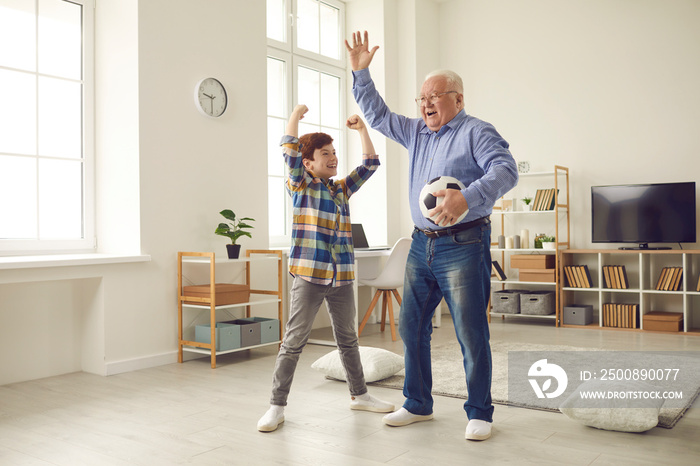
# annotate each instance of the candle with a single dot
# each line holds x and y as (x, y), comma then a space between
(524, 239)
(509, 242)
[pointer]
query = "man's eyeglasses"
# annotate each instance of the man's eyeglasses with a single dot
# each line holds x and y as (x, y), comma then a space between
(434, 97)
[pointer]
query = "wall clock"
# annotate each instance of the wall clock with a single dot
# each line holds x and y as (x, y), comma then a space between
(210, 97)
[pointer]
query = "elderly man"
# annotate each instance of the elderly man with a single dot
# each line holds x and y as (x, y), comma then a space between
(447, 259)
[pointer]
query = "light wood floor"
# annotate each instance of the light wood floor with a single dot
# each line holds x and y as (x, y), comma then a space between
(190, 414)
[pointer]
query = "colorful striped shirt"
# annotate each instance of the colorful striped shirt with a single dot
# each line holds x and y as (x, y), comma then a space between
(322, 250)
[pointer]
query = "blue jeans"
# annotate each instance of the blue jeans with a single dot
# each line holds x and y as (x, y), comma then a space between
(458, 268)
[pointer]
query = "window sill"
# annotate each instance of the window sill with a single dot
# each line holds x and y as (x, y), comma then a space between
(68, 260)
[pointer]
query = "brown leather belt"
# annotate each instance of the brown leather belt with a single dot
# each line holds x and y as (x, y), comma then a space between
(455, 229)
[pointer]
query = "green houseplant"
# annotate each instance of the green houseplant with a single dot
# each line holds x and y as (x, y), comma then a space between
(527, 200)
(548, 242)
(234, 229)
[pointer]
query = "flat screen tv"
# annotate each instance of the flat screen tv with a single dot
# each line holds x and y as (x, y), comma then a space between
(644, 213)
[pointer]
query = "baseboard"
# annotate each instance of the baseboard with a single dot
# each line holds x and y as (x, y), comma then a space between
(129, 365)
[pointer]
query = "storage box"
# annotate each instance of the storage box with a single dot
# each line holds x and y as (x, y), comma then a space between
(226, 293)
(532, 261)
(269, 328)
(536, 275)
(506, 301)
(227, 336)
(250, 331)
(537, 303)
(578, 314)
(663, 321)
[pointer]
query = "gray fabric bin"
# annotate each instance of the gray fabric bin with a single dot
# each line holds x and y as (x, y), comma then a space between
(250, 331)
(578, 314)
(506, 301)
(269, 329)
(537, 303)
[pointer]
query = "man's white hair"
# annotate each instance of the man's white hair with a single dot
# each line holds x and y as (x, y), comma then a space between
(453, 79)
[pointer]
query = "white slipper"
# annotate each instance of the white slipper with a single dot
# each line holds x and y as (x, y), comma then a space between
(478, 430)
(403, 417)
(271, 419)
(372, 404)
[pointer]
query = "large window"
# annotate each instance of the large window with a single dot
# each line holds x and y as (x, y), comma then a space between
(46, 180)
(305, 64)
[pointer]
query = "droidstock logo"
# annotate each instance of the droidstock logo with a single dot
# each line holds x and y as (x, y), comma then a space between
(544, 371)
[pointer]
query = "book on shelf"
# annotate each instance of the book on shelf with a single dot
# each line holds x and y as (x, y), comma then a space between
(615, 277)
(578, 276)
(621, 315)
(545, 199)
(498, 271)
(570, 280)
(670, 279)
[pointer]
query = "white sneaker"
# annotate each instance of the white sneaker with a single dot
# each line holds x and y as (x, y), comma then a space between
(372, 404)
(478, 430)
(272, 419)
(404, 417)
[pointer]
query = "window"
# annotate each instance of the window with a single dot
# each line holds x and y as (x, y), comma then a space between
(305, 64)
(46, 126)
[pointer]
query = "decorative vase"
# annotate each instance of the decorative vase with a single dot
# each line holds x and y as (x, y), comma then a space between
(233, 250)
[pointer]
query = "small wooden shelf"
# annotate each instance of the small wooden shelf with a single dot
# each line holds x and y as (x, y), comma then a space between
(258, 297)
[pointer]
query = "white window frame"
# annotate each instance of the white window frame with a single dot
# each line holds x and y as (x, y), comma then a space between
(294, 57)
(88, 242)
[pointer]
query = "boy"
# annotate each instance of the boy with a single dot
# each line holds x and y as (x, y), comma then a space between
(321, 260)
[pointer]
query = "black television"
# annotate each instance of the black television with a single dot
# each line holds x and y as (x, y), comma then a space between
(643, 214)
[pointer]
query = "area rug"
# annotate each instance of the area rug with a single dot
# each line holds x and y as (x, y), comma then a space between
(448, 378)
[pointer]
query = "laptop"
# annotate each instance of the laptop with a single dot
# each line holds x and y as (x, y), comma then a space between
(359, 239)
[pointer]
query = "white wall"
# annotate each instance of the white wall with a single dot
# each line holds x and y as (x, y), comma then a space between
(175, 170)
(608, 88)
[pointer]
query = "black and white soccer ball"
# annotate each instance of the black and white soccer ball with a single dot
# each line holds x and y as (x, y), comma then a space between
(427, 201)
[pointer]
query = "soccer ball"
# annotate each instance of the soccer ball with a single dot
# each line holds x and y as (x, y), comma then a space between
(427, 201)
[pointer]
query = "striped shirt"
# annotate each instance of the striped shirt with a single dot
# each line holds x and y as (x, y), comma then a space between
(322, 250)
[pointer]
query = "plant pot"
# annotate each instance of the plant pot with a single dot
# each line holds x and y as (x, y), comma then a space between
(548, 245)
(234, 250)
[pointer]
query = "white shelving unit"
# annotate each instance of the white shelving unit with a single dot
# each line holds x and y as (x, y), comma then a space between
(553, 222)
(258, 297)
(643, 269)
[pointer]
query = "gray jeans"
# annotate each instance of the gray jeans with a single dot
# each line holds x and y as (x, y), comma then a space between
(305, 300)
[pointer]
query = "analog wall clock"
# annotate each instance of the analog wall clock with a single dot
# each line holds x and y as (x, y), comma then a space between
(210, 97)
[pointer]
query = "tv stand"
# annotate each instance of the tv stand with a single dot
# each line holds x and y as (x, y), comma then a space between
(644, 270)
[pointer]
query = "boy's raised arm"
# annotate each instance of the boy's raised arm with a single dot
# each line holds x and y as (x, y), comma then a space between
(294, 118)
(356, 123)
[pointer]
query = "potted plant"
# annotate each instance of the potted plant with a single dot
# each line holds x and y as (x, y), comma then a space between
(527, 200)
(548, 242)
(234, 229)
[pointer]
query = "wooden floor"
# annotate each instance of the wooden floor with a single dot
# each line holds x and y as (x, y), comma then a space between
(190, 414)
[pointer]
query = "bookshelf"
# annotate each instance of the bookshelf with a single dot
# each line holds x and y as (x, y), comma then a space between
(658, 281)
(548, 214)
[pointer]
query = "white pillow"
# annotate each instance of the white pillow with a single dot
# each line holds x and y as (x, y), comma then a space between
(377, 364)
(630, 414)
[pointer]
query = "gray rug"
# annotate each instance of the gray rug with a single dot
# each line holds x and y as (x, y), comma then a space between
(448, 378)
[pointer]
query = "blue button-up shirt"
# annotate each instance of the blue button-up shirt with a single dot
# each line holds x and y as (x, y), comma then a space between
(466, 148)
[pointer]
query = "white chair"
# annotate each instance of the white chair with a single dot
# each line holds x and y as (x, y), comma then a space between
(388, 281)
